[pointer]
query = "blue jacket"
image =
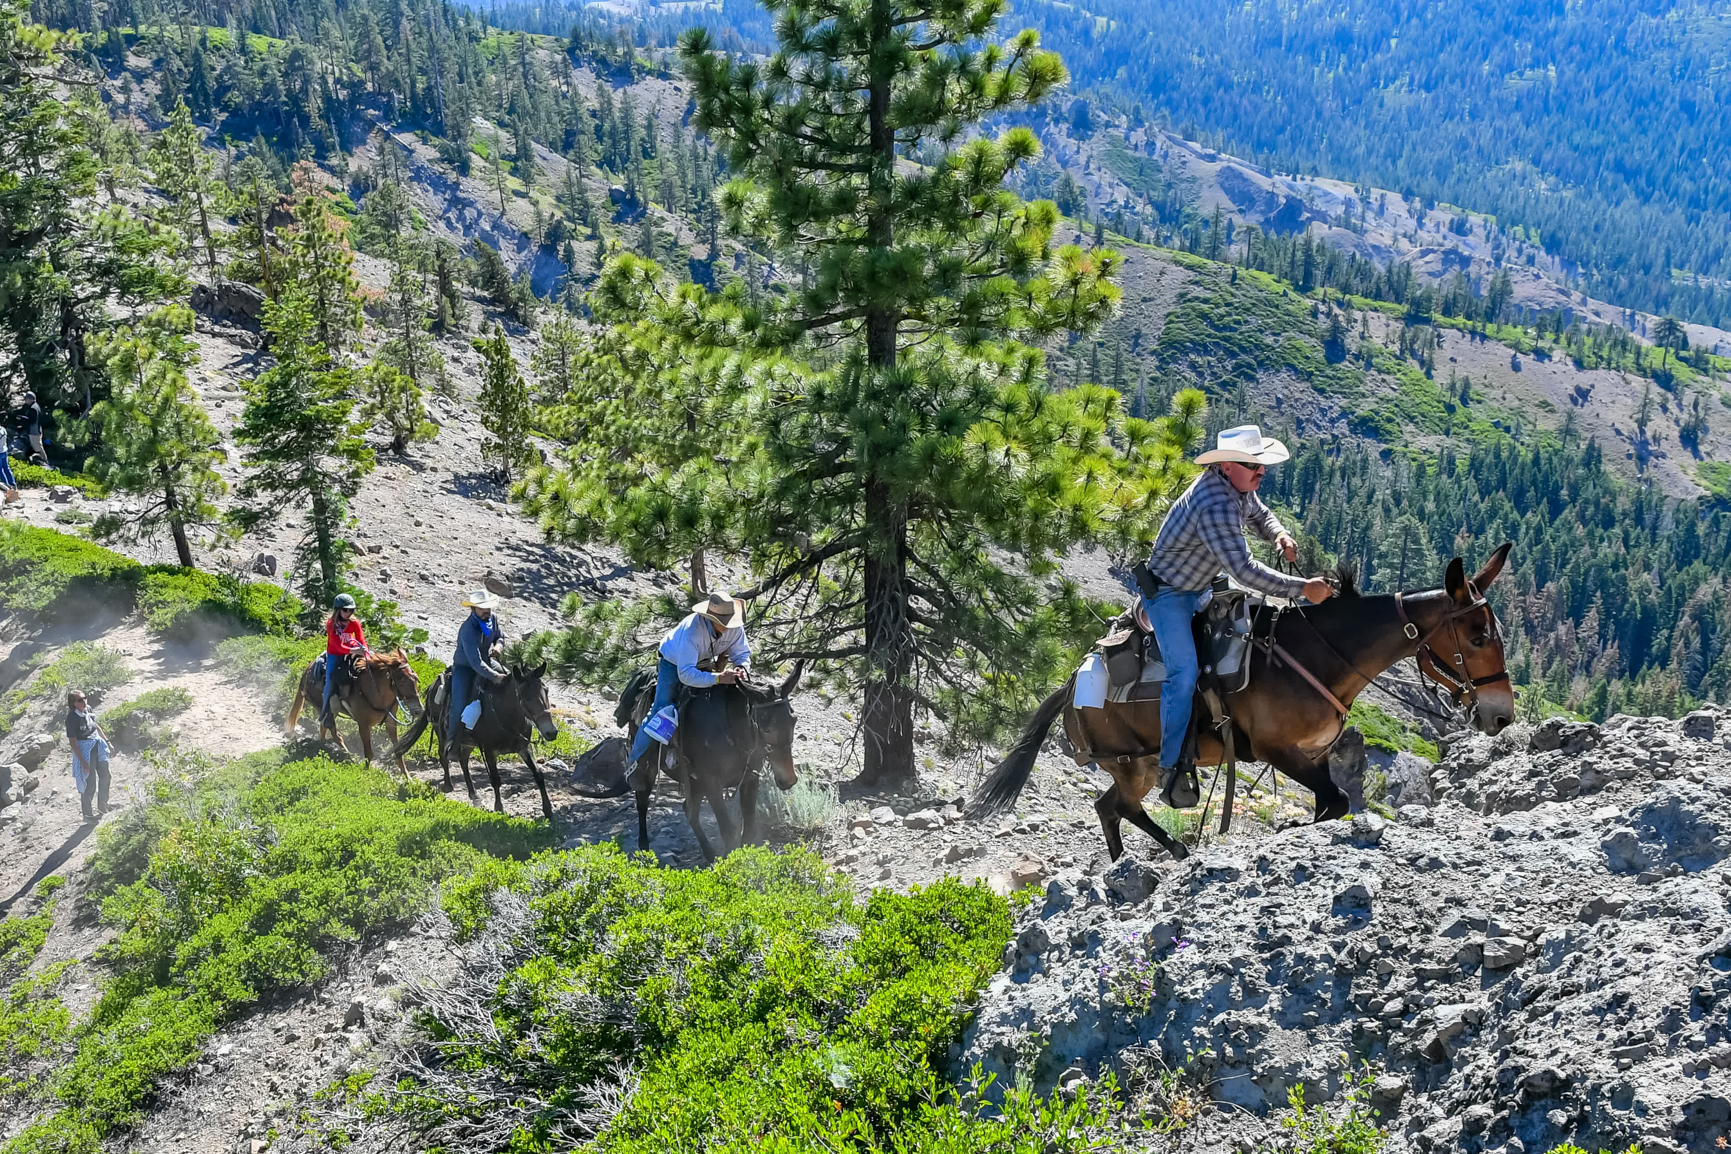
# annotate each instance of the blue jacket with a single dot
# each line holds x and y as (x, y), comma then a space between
(475, 641)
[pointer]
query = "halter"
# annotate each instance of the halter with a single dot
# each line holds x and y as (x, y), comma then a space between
(1463, 688)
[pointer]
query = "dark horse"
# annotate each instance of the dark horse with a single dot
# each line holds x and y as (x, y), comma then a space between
(511, 714)
(381, 680)
(1281, 718)
(725, 734)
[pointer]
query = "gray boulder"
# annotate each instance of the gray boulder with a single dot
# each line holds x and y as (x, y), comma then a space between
(1408, 781)
(229, 301)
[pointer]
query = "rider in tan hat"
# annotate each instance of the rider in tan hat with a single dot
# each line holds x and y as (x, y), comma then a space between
(714, 627)
(477, 640)
(1202, 535)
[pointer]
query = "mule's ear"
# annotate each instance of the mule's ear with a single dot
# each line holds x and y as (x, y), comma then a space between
(1492, 567)
(787, 687)
(540, 670)
(1455, 581)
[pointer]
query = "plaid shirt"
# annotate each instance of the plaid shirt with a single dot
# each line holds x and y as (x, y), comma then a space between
(1204, 533)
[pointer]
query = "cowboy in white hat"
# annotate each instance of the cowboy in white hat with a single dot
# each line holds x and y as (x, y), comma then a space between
(1203, 534)
(715, 627)
(478, 639)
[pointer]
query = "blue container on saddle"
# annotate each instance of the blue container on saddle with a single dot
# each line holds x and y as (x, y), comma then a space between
(662, 725)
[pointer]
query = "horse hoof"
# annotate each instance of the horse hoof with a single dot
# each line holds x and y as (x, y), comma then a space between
(1179, 853)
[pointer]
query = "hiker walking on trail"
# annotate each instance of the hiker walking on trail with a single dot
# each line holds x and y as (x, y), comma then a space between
(344, 639)
(30, 419)
(1202, 535)
(478, 640)
(714, 628)
(90, 754)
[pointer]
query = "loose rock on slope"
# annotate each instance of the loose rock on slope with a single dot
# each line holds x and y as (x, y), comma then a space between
(1544, 956)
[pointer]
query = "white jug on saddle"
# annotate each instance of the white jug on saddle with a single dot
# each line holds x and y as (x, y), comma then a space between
(1091, 683)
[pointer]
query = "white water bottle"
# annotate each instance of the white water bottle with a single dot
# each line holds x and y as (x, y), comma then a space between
(1091, 679)
(471, 713)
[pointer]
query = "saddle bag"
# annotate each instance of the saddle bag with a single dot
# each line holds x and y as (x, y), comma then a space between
(1226, 630)
(1122, 652)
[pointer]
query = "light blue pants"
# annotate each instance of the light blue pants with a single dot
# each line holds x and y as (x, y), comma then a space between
(666, 681)
(1170, 611)
(330, 680)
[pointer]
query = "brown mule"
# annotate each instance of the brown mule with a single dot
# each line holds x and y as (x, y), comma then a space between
(1282, 718)
(381, 681)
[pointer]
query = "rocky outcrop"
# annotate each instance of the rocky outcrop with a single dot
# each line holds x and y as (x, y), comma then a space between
(1542, 956)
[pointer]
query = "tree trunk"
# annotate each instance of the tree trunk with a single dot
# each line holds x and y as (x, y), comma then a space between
(182, 547)
(699, 576)
(326, 546)
(888, 717)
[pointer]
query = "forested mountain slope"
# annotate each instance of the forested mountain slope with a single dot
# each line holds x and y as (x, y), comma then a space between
(1427, 420)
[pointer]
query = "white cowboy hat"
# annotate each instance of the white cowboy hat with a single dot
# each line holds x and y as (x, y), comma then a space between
(724, 609)
(480, 599)
(1247, 446)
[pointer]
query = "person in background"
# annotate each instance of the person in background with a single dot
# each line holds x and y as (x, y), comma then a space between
(343, 639)
(478, 639)
(7, 481)
(714, 628)
(90, 753)
(31, 419)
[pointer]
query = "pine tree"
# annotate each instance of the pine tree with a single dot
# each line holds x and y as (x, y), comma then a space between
(394, 399)
(504, 405)
(182, 169)
(321, 268)
(62, 261)
(879, 485)
(307, 452)
(155, 441)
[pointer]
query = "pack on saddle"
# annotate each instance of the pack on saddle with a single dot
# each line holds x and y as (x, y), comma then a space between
(1126, 674)
(696, 707)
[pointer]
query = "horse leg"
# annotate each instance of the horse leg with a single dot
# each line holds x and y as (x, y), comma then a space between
(493, 776)
(694, 815)
(1140, 818)
(366, 733)
(1330, 802)
(468, 782)
(723, 818)
(1106, 805)
(643, 818)
(748, 807)
(540, 782)
(391, 732)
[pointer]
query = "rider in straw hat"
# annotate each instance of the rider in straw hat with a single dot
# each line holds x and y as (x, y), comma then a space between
(478, 638)
(1203, 534)
(714, 627)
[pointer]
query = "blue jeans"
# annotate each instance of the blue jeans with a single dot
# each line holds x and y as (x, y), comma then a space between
(330, 679)
(1170, 612)
(666, 681)
(6, 479)
(465, 687)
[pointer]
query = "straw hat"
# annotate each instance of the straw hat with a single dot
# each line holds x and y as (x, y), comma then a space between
(480, 599)
(1247, 446)
(726, 610)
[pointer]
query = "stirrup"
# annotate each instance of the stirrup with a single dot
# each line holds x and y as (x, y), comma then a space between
(1181, 789)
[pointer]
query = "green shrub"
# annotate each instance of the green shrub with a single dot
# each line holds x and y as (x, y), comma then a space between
(59, 577)
(183, 605)
(802, 810)
(82, 665)
(31, 476)
(255, 880)
(137, 724)
(1346, 1129)
(1383, 730)
(757, 1005)
(32, 1020)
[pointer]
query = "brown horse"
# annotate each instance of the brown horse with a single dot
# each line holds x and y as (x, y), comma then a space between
(381, 681)
(1282, 719)
(512, 713)
(725, 734)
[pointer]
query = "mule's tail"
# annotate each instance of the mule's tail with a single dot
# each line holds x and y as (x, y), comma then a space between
(294, 713)
(407, 741)
(1004, 783)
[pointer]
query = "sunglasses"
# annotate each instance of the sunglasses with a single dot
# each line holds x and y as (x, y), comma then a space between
(1253, 470)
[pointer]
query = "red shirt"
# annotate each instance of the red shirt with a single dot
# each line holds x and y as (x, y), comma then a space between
(344, 639)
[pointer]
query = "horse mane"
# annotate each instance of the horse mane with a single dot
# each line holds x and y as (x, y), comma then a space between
(1345, 576)
(391, 660)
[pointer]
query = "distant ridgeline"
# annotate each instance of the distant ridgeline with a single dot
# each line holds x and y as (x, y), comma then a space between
(1500, 108)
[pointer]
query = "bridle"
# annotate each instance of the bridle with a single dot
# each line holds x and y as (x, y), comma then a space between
(1463, 688)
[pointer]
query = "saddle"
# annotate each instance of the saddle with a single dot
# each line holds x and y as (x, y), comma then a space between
(1222, 627)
